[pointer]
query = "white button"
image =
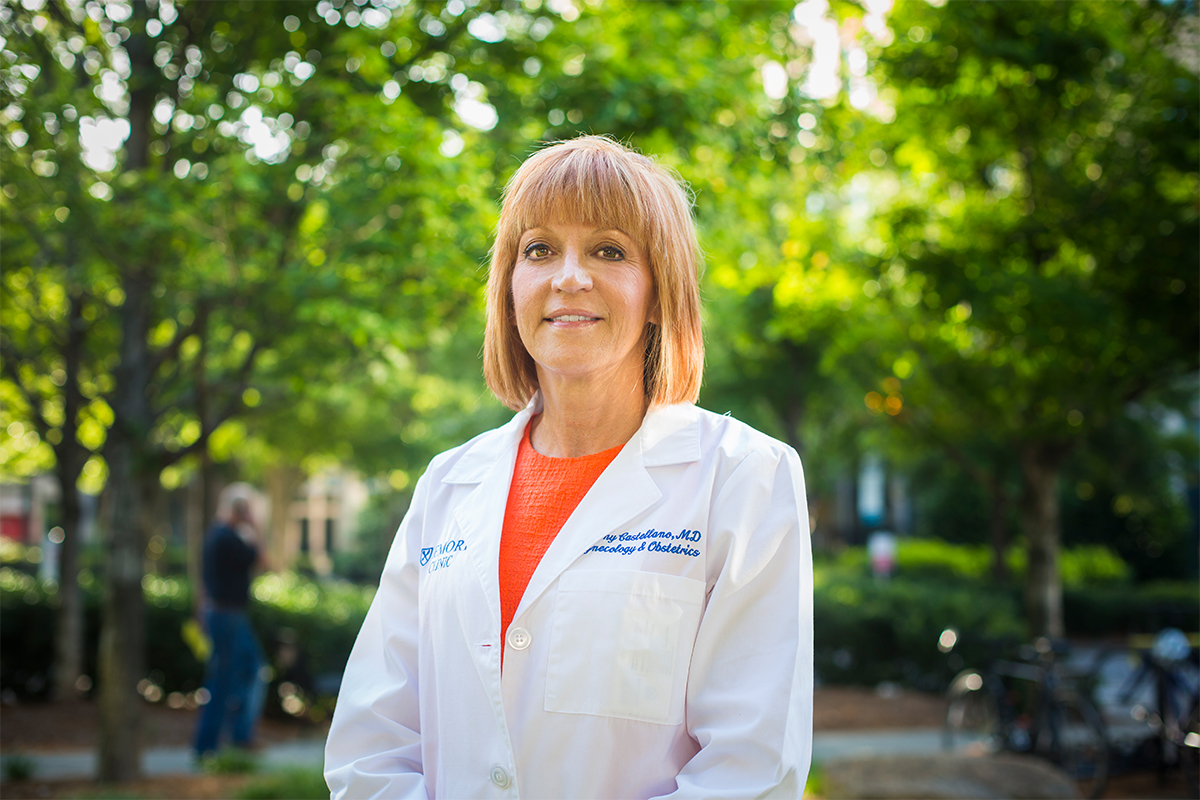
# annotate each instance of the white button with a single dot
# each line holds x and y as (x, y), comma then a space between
(500, 777)
(519, 638)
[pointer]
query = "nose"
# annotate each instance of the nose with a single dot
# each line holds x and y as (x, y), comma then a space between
(572, 274)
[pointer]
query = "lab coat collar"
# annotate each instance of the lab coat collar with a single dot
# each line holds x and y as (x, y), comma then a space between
(668, 435)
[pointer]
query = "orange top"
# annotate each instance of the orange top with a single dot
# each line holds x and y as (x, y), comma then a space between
(543, 494)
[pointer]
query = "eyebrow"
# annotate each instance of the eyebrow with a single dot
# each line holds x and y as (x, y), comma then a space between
(599, 232)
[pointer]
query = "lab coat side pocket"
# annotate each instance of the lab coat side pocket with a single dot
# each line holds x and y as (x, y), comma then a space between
(621, 643)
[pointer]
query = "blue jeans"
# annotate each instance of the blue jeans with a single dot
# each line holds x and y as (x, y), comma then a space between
(235, 690)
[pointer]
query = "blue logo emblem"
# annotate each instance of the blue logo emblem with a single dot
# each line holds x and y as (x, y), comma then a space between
(426, 554)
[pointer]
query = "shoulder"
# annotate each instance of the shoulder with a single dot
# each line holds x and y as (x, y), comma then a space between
(757, 480)
(225, 541)
(219, 532)
(746, 463)
(469, 461)
(718, 444)
(731, 439)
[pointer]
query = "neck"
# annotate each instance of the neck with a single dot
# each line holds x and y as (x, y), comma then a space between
(579, 419)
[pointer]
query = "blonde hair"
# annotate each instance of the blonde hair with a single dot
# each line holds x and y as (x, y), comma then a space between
(596, 181)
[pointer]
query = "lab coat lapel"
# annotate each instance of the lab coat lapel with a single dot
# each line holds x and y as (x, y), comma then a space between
(623, 491)
(480, 515)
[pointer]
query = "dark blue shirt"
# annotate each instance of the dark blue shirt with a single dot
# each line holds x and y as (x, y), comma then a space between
(228, 561)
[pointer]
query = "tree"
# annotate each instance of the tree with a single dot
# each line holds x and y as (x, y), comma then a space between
(986, 235)
(206, 254)
(1038, 262)
(289, 193)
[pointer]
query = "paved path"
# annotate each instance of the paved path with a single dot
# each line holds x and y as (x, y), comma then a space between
(835, 745)
(827, 746)
(172, 760)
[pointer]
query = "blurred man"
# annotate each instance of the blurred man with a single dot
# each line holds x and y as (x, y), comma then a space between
(236, 691)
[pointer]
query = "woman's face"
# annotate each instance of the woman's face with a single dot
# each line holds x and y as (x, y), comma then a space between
(582, 298)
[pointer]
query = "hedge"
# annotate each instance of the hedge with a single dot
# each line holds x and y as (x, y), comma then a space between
(307, 629)
(1084, 565)
(866, 630)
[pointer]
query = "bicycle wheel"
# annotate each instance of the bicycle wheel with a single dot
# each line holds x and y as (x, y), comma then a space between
(1075, 740)
(972, 718)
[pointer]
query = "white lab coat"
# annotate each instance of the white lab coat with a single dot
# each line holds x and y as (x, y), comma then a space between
(663, 646)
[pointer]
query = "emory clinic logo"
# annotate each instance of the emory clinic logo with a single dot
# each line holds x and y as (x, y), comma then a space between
(426, 554)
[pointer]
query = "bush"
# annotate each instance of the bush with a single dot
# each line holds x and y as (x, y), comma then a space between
(1085, 565)
(231, 761)
(306, 628)
(18, 767)
(27, 636)
(868, 631)
(1148, 608)
(310, 627)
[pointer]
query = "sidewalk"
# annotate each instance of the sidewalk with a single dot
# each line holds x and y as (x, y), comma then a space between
(157, 761)
(839, 745)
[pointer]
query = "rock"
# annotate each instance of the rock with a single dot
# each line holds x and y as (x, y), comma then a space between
(1003, 776)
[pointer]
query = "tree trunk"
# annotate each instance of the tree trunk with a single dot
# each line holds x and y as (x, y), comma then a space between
(122, 635)
(998, 528)
(68, 633)
(70, 456)
(1040, 521)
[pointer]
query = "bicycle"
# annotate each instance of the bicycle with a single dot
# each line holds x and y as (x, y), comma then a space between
(1030, 707)
(1163, 698)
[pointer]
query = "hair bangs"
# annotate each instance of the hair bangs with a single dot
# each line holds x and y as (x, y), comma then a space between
(583, 186)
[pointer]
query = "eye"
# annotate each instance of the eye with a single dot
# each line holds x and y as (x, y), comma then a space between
(611, 253)
(537, 250)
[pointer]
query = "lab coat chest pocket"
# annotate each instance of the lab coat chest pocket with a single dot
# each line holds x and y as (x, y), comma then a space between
(621, 643)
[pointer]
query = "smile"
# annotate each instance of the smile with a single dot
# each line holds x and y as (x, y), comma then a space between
(573, 318)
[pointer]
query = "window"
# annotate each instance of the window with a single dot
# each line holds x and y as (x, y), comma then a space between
(304, 535)
(329, 535)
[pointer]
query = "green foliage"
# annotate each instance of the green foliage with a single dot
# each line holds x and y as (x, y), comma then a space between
(18, 767)
(1126, 490)
(815, 785)
(292, 784)
(1082, 566)
(318, 621)
(323, 617)
(1147, 608)
(989, 259)
(27, 635)
(231, 761)
(867, 631)
(377, 525)
(26, 638)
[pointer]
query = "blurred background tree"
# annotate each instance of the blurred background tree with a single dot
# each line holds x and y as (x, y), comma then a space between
(249, 239)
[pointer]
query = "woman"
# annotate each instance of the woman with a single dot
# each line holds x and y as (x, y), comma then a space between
(611, 595)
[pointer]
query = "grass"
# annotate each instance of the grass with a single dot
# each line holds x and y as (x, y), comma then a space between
(231, 761)
(815, 788)
(298, 783)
